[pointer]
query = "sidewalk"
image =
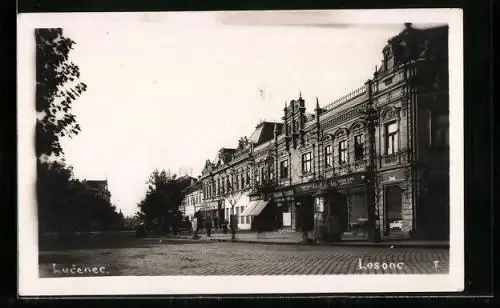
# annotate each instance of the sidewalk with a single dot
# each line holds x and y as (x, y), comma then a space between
(295, 238)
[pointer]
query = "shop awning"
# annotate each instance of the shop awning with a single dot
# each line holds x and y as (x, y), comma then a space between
(254, 208)
(242, 201)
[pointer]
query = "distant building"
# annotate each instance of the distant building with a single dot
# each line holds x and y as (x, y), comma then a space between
(192, 200)
(99, 189)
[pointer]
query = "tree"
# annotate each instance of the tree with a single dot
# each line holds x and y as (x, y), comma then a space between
(163, 197)
(68, 205)
(53, 188)
(57, 86)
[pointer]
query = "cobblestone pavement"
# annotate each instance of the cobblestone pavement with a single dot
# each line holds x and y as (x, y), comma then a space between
(221, 258)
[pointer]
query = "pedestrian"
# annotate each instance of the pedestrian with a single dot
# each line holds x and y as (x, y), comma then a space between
(209, 227)
(195, 227)
(224, 227)
(216, 223)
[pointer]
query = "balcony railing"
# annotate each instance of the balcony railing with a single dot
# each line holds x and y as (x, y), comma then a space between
(360, 164)
(343, 169)
(391, 158)
(359, 91)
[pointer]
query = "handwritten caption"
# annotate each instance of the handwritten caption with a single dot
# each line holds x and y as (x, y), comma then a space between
(80, 270)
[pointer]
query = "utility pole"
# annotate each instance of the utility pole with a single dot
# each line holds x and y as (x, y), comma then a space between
(371, 118)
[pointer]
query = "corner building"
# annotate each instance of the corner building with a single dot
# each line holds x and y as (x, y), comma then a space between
(309, 173)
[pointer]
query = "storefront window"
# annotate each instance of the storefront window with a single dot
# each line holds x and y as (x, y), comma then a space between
(442, 131)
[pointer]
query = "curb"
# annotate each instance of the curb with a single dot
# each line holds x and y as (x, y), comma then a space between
(338, 244)
(384, 245)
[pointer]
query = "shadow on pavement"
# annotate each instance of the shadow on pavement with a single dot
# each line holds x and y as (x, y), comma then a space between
(108, 240)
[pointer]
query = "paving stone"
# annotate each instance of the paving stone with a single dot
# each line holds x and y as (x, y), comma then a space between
(220, 258)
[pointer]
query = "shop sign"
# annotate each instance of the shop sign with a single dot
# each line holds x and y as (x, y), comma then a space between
(287, 219)
(282, 194)
(256, 197)
(320, 204)
(393, 176)
(347, 180)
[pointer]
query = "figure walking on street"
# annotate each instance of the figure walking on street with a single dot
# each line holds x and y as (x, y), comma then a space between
(209, 227)
(195, 227)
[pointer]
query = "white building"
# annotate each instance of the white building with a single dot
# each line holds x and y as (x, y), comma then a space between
(192, 200)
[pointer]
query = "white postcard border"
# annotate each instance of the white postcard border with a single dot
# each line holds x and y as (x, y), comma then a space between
(31, 285)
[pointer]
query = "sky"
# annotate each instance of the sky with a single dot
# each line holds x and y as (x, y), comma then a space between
(168, 90)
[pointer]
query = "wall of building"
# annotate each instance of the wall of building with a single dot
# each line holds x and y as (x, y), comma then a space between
(402, 92)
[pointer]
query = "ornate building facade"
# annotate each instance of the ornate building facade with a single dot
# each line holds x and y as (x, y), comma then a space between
(338, 171)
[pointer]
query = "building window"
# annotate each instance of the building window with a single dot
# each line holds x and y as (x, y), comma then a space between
(358, 148)
(237, 184)
(242, 181)
(306, 163)
(248, 177)
(328, 156)
(391, 138)
(270, 172)
(343, 152)
(257, 178)
(284, 169)
(247, 220)
(263, 174)
(242, 219)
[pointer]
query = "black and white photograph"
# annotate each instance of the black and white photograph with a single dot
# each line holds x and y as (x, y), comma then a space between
(240, 152)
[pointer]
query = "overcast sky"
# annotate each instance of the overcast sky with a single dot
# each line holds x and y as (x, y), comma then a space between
(168, 90)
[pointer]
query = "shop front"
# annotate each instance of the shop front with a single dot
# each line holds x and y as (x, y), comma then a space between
(260, 211)
(397, 214)
(285, 214)
(338, 205)
(209, 213)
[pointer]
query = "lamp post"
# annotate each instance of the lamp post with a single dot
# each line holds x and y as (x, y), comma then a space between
(370, 114)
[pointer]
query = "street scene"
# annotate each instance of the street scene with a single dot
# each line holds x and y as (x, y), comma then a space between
(157, 256)
(242, 143)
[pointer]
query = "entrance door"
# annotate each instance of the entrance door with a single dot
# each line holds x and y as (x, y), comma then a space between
(393, 210)
(305, 214)
(337, 213)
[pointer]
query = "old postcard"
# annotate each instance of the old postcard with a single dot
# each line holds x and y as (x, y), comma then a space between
(240, 152)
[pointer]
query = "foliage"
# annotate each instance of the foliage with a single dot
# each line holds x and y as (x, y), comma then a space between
(57, 87)
(67, 205)
(159, 207)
